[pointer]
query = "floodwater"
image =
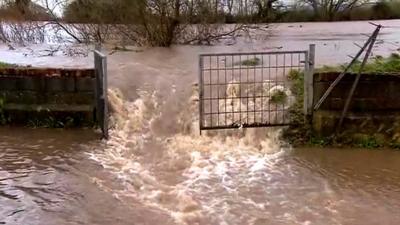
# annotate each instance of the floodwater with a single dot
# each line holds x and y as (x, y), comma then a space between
(156, 169)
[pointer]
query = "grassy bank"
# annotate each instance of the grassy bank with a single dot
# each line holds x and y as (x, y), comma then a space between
(378, 64)
(301, 133)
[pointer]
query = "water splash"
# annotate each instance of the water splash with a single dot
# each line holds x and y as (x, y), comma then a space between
(212, 169)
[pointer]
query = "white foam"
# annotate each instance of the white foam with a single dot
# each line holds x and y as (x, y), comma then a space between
(213, 167)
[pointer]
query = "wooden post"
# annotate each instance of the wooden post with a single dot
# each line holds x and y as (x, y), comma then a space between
(310, 80)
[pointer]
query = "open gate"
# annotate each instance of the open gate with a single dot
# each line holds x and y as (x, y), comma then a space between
(239, 90)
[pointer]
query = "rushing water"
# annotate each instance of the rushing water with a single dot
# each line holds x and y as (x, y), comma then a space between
(156, 169)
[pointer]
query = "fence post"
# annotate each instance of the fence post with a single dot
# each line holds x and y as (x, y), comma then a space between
(310, 80)
(306, 82)
(97, 65)
(105, 99)
(100, 63)
(200, 93)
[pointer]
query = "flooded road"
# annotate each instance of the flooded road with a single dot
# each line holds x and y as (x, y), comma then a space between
(52, 179)
(156, 169)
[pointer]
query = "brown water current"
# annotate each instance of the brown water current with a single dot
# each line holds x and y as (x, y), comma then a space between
(157, 169)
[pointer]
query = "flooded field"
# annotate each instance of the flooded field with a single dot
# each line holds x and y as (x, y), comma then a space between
(156, 169)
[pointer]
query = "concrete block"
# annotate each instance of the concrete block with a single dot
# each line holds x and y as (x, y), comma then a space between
(8, 83)
(70, 98)
(324, 122)
(60, 84)
(22, 97)
(85, 84)
(31, 84)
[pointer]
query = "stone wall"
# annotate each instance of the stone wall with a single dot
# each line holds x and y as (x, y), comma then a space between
(31, 95)
(375, 108)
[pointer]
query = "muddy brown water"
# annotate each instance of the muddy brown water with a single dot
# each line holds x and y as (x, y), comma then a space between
(156, 169)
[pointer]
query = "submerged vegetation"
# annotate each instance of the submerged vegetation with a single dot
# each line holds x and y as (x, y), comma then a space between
(251, 62)
(299, 132)
(51, 121)
(279, 97)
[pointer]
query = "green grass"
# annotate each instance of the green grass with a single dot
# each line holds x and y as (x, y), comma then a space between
(377, 64)
(297, 79)
(251, 62)
(367, 141)
(395, 145)
(4, 65)
(318, 141)
(299, 132)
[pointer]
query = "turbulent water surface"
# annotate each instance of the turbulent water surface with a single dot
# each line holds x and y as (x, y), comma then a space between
(156, 169)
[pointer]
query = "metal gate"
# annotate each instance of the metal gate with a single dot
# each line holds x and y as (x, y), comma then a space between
(239, 90)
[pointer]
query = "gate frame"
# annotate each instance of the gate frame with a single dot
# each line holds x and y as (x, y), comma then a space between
(309, 67)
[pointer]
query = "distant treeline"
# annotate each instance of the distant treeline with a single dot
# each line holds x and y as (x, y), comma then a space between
(236, 11)
(193, 11)
(380, 10)
(167, 22)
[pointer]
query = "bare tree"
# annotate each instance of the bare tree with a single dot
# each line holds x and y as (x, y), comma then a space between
(154, 22)
(23, 6)
(329, 9)
(264, 8)
(140, 22)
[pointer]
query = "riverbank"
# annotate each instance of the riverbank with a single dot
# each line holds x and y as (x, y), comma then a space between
(364, 128)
